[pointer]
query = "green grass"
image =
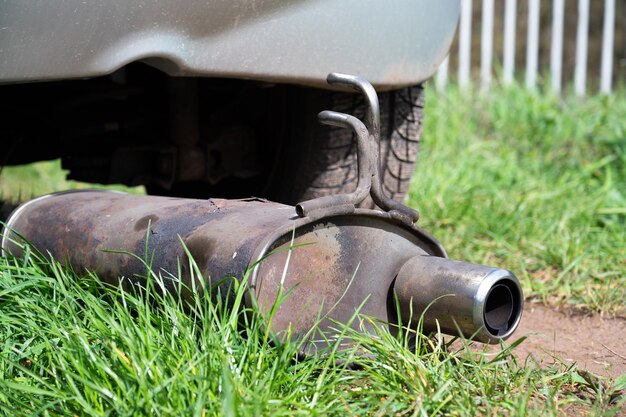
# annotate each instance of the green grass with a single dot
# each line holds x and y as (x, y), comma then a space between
(533, 183)
(73, 346)
(21, 183)
(525, 181)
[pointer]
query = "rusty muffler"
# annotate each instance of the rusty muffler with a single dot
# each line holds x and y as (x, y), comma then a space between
(333, 258)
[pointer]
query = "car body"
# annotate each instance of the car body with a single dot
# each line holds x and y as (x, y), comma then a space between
(391, 44)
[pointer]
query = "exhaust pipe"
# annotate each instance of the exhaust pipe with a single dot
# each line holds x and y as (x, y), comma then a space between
(481, 302)
(332, 256)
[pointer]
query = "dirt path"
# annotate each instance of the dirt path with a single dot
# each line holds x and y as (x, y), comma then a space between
(596, 344)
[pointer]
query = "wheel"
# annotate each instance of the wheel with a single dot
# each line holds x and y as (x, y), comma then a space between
(321, 160)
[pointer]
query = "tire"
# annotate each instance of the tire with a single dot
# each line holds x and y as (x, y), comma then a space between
(304, 159)
(322, 160)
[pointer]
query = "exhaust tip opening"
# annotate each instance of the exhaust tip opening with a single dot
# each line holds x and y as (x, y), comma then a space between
(300, 210)
(502, 308)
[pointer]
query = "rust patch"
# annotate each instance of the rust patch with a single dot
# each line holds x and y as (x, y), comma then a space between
(311, 274)
(201, 249)
(142, 224)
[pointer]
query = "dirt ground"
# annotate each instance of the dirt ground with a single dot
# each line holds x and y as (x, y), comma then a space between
(594, 343)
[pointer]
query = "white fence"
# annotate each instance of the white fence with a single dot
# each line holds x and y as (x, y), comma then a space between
(510, 18)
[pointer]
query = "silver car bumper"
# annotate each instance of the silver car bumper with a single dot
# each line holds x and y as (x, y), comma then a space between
(391, 44)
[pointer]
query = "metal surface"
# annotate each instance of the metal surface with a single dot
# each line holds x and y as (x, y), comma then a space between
(481, 302)
(367, 164)
(297, 41)
(368, 140)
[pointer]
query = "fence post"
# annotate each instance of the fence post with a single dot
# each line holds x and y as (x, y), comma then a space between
(510, 9)
(532, 51)
(441, 80)
(608, 36)
(556, 48)
(532, 46)
(582, 32)
(486, 44)
(465, 43)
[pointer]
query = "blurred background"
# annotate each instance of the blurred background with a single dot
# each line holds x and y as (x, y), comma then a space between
(548, 41)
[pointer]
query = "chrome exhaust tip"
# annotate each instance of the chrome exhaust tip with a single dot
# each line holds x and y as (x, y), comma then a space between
(480, 302)
(501, 308)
